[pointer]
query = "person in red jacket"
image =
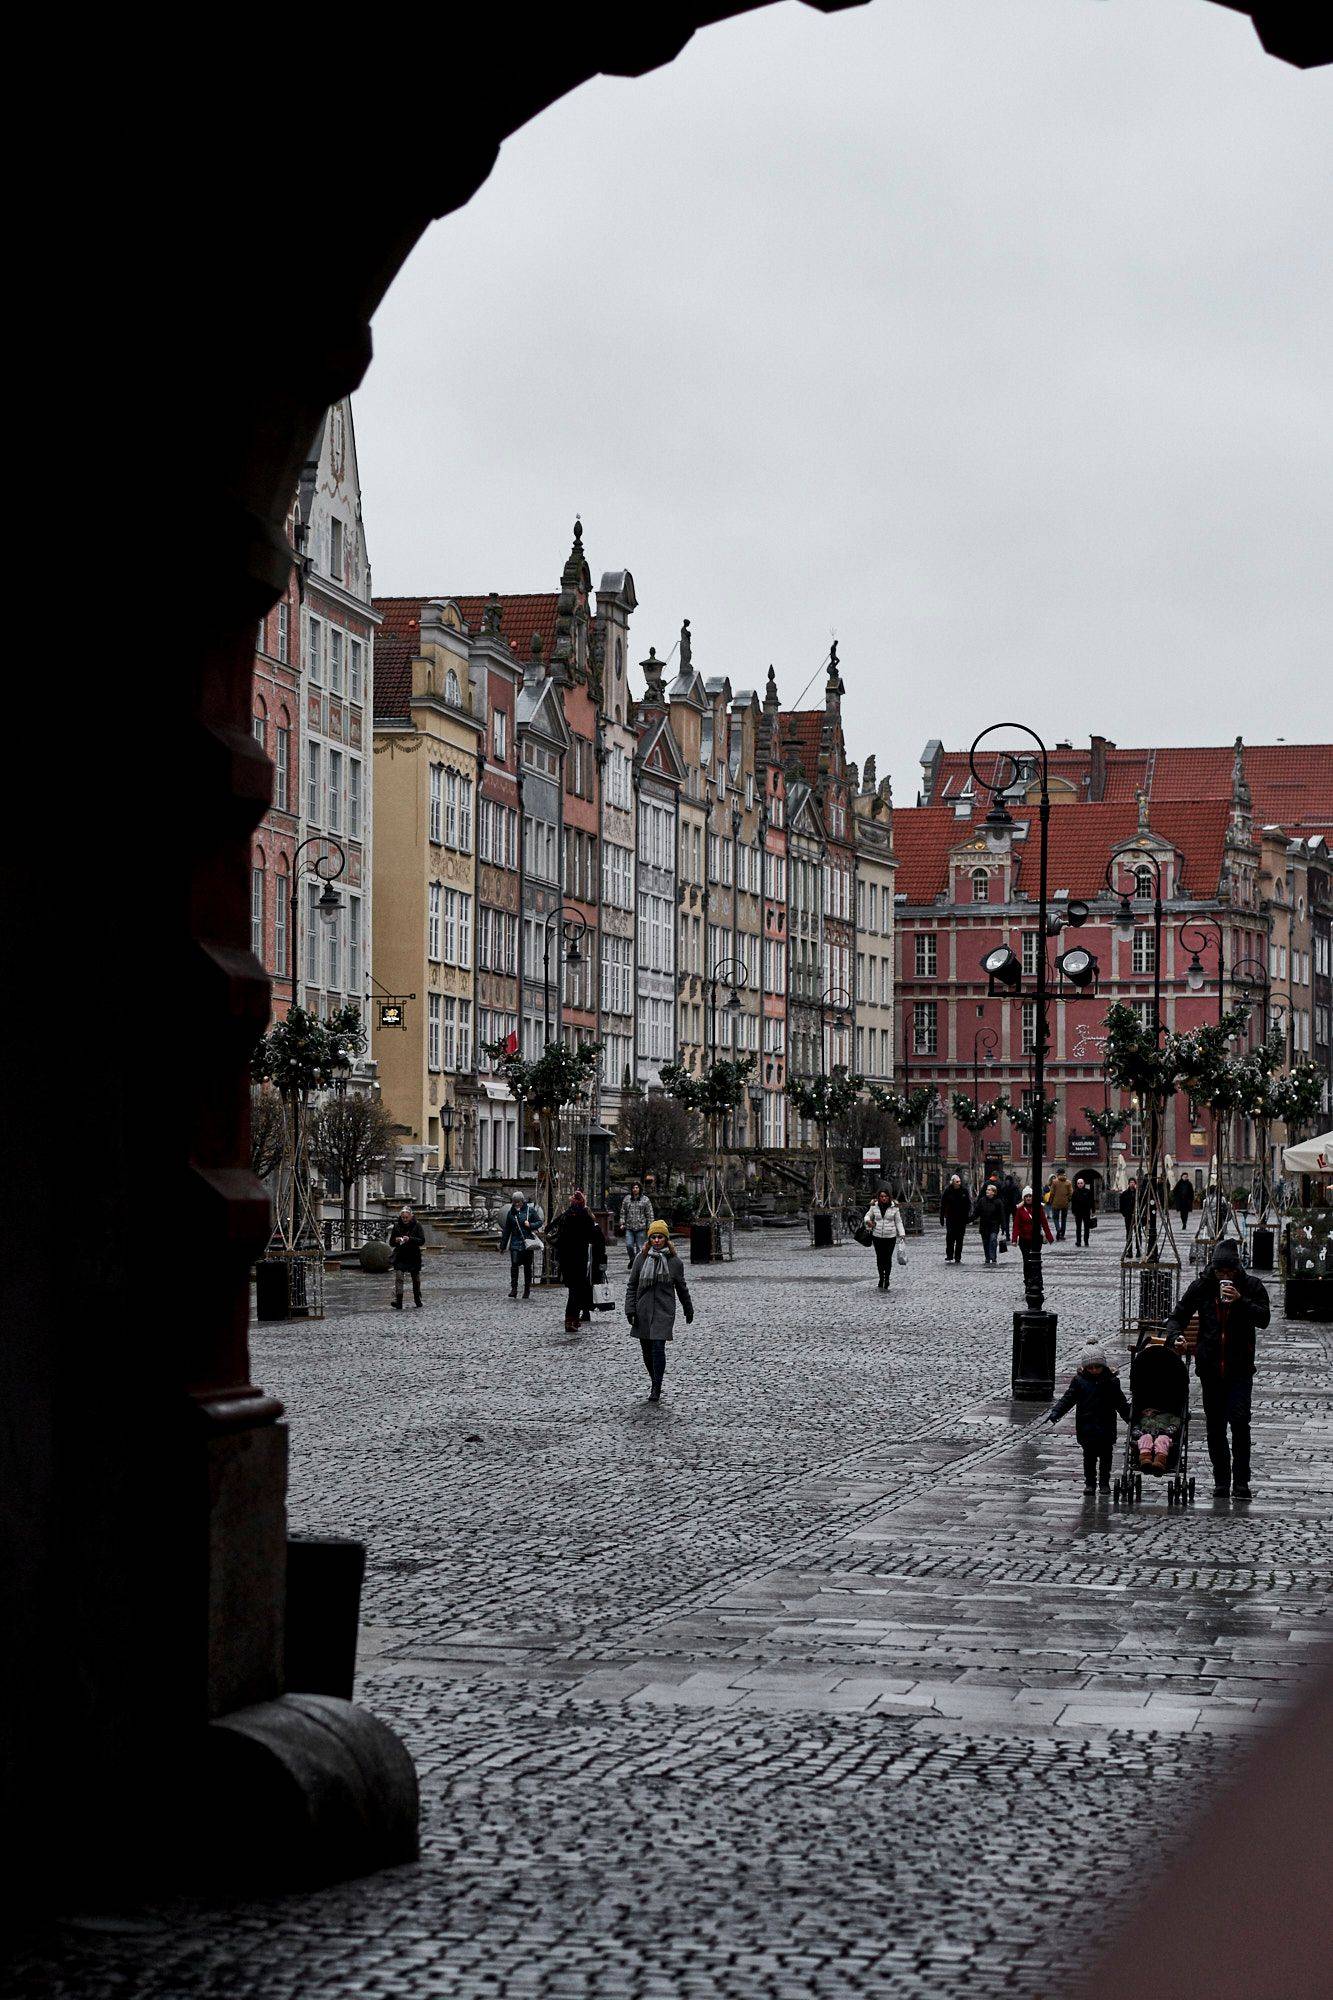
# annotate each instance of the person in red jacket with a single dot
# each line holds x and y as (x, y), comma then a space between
(1024, 1228)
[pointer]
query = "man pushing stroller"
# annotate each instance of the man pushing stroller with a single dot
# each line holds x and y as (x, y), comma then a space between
(1231, 1304)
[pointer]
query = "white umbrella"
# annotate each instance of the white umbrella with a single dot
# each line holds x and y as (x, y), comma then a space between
(1312, 1156)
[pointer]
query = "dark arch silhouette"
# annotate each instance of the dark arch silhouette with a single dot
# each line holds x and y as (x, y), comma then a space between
(224, 186)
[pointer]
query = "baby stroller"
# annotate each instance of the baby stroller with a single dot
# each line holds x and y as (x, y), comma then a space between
(1158, 1439)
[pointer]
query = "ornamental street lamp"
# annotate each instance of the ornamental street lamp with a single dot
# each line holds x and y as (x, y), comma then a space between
(727, 972)
(1126, 923)
(329, 903)
(573, 933)
(447, 1121)
(1033, 1362)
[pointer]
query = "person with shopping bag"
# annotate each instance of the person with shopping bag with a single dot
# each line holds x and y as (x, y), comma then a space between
(518, 1235)
(581, 1249)
(885, 1229)
(656, 1281)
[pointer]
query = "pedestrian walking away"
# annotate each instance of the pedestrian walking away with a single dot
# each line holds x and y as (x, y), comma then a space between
(1009, 1195)
(884, 1220)
(407, 1240)
(1231, 1304)
(518, 1235)
(636, 1212)
(1094, 1395)
(1024, 1231)
(1061, 1193)
(1182, 1200)
(581, 1248)
(955, 1214)
(656, 1281)
(990, 1220)
(1082, 1201)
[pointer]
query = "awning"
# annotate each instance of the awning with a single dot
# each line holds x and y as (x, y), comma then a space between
(1312, 1156)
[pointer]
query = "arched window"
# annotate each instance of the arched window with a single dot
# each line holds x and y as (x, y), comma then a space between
(451, 687)
(980, 885)
(1145, 883)
(259, 723)
(257, 905)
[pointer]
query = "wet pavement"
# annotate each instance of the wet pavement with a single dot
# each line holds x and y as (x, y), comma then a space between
(823, 1676)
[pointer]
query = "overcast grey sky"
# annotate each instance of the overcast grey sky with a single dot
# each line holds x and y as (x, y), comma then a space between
(992, 335)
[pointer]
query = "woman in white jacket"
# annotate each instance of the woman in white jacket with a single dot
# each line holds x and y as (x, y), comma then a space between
(884, 1220)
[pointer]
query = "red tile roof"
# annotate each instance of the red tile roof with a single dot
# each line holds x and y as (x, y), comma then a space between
(800, 729)
(398, 640)
(1291, 784)
(1081, 840)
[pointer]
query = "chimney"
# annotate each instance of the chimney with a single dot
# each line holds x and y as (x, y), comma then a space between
(1097, 769)
(532, 672)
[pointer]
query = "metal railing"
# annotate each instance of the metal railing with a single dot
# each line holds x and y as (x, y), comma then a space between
(364, 1229)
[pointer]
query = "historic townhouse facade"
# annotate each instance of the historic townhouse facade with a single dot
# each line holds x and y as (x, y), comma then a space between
(429, 735)
(824, 949)
(338, 672)
(276, 723)
(543, 739)
(495, 676)
(687, 705)
(659, 773)
(571, 670)
(774, 948)
(746, 817)
(876, 865)
(617, 747)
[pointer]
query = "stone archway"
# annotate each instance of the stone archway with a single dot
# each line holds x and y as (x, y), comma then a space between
(150, 1471)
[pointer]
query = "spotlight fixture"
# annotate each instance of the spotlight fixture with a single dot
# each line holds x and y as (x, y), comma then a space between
(1076, 914)
(1078, 967)
(1002, 968)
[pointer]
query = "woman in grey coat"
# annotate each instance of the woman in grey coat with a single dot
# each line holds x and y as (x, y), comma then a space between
(656, 1281)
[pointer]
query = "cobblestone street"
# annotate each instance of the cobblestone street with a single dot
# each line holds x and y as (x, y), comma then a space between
(822, 1677)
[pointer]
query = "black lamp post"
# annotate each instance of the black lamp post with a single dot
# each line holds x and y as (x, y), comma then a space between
(727, 972)
(1033, 1364)
(832, 1006)
(756, 1097)
(330, 902)
(447, 1122)
(984, 1038)
(573, 932)
(1194, 938)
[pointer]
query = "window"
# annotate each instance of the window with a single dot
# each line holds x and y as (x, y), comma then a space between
(452, 692)
(333, 955)
(284, 631)
(315, 650)
(1144, 1010)
(980, 886)
(927, 955)
(282, 753)
(1145, 884)
(465, 815)
(464, 929)
(336, 568)
(1029, 1028)
(257, 911)
(313, 800)
(925, 1033)
(354, 948)
(1144, 951)
(355, 654)
(433, 1031)
(450, 951)
(354, 797)
(434, 898)
(436, 819)
(451, 808)
(335, 660)
(335, 791)
(1030, 943)
(449, 1038)
(499, 735)
(282, 917)
(259, 729)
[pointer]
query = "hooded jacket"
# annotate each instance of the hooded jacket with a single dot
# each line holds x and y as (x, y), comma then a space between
(1226, 1333)
(1094, 1400)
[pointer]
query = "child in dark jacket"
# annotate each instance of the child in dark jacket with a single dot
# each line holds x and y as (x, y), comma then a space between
(1094, 1395)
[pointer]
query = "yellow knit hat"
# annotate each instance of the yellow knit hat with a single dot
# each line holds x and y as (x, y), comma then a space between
(659, 1230)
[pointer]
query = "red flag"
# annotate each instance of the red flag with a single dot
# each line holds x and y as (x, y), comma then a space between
(511, 1042)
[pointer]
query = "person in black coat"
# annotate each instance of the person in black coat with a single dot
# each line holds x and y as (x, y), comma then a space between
(1094, 1395)
(1081, 1204)
(1231, 1305)
(1129, 1201)
(407, 1240)
(955, 1214)
(1182, 1200)
(990, 1219)
(581, 1249)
